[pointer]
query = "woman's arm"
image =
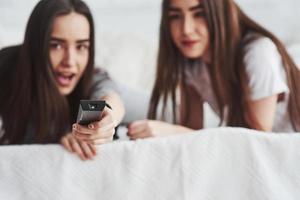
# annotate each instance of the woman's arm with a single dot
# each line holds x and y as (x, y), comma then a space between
(118, 110)
(154, 128)
(102, 131)
(191, 116)
(264, 112)
(266, 80)
(83, 149)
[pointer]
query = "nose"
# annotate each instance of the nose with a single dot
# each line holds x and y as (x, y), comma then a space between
(70, 57)
(188, 25)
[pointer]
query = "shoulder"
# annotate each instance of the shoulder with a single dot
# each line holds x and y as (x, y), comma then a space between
(261, 48)
(100, 72)
(100, 75)
(10, 52)
(8, 61)
(102, 84)
(264, 68)
(9, 56)
(262, 55)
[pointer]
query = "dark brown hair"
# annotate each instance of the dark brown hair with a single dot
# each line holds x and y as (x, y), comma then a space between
(228, 25)
(33, 97)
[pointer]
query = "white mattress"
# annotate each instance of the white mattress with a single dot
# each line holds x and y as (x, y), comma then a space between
(223, 163)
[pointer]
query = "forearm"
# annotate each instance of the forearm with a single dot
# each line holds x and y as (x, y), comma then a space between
(178, 129)
(154, 128)
(118, 110)
(166, 128)
(263, 111)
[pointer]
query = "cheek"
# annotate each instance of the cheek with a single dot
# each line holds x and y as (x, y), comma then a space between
(203, 32)
(82, 62)
(175, 32)
(207, 36)
(55, 58)
(207, 40)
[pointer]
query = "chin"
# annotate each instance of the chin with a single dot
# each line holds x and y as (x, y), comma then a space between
(65, 91)
(192, 54)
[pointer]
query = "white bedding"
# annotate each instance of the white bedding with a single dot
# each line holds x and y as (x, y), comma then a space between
(223, 163)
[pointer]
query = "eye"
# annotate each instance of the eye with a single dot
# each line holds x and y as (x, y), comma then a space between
(55, 46)
(82, 47)
(200, 14)
(174, 16)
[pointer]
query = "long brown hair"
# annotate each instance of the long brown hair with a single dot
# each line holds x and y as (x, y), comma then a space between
(33, 97)
(228, 25)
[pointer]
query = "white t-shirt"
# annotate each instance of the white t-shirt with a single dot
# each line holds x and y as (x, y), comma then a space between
(266, 78)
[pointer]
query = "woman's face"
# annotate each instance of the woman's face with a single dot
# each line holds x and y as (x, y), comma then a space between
(189, 28)
(69, 50)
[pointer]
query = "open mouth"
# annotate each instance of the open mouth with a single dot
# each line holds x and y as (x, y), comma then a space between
(189, 43)
(64, 79)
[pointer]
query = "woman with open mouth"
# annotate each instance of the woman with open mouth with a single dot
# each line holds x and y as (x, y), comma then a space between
(43, 80)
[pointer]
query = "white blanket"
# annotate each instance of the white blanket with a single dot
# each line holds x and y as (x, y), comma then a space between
(223, 163)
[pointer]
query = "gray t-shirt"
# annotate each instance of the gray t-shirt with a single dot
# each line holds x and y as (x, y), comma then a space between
(102, 85)
(266, 78)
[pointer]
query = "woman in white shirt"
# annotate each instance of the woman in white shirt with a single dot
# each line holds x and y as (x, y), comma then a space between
(210, 51)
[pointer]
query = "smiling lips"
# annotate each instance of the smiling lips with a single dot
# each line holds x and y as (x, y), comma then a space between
(189, 43)
(64, 79)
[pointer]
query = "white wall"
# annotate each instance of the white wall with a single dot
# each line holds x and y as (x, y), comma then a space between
(127, 31)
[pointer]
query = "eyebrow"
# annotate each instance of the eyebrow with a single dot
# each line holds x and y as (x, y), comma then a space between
(199, 6)
(63, 41)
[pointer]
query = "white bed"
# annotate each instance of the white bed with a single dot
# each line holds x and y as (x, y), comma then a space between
(223, 163)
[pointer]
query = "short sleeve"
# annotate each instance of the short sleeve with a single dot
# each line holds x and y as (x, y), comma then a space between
(102, 84)
(265, 69)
